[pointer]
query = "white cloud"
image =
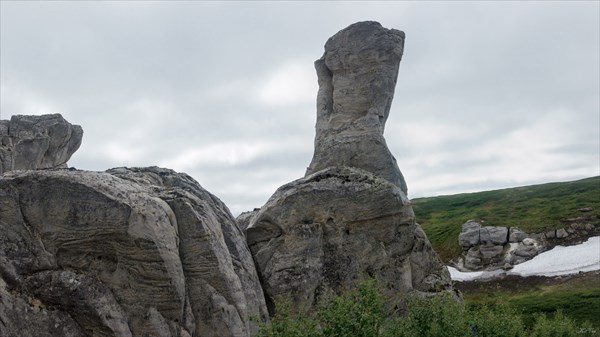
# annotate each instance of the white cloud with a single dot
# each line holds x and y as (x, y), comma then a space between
(291, 83)
(490, 95)
(216, 155)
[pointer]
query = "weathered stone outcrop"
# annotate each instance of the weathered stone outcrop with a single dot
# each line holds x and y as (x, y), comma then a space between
(495, 247)
(37, 142)
(127, 252)
(245, 218)
(349, 216)
(357, 76)
(328, 229)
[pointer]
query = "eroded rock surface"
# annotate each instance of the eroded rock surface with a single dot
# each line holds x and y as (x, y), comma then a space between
(127, 252)
(357, 76)
(327, 230)
(349, 217)
(496, 247)
(37, 142)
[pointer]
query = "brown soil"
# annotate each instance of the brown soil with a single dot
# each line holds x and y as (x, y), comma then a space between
(519, 283)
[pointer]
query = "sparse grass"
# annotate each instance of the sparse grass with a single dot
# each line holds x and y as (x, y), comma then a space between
(577, 297)
(531, 208)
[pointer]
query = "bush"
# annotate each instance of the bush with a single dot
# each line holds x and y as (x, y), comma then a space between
(363, 312)
(429, 316)
(288, 322)
(559, 326)
(359, 313)
(494, 321)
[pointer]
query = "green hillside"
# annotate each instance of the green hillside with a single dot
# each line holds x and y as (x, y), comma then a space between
(531, 208)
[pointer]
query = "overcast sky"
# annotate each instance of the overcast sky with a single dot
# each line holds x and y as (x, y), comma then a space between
(489, 94)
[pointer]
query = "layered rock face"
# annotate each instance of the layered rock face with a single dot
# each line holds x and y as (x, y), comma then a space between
(127, 252)
(357, 76)
(495, 247)
(349, 217)
(37, 142)
(327, 230)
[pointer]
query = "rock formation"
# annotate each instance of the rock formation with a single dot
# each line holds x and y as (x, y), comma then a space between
(495, 247)
(148, 252)
(127, 252)
(349, 217)
(357, 76)
(37, 142)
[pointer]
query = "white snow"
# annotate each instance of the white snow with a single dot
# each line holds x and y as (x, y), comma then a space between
(559, 260)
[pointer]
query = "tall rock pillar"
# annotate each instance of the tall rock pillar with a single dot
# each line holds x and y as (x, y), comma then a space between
(357, 76)
(349, 216)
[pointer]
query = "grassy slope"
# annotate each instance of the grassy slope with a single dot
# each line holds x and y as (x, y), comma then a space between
(531, 208)
(578, 296)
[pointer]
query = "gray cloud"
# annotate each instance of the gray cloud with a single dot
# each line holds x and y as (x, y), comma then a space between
(489, 95)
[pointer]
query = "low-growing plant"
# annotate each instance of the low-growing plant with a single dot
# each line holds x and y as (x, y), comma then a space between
(434, 316)
(560, 326)
(363, 312)
(495, 321)
(358, 313)
(288, 322)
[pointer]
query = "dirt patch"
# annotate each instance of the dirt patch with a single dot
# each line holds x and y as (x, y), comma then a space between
(517, 283)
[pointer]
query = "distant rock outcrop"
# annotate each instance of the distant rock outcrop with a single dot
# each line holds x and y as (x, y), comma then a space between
(127, 252)
(349, 217)
(37, 142)
(496, 247)
(357, 76)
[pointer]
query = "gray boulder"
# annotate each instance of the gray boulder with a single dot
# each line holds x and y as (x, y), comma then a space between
(469, 235)
(357, 76)
(128, 252)
(526, 250)
(491, 253)
(325, 231)
(472, 259)
(483, 256)
(493, 235)
(516, 235)
(37, 142)
(561, 233)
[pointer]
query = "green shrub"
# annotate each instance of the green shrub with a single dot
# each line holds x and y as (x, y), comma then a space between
(358, 313)
(433, 316)
(363, 312)
(559, 326)
(495, 321)
(290, 323)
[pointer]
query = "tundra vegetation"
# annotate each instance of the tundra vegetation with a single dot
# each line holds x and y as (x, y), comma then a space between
(533, 209)
(364, 312)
